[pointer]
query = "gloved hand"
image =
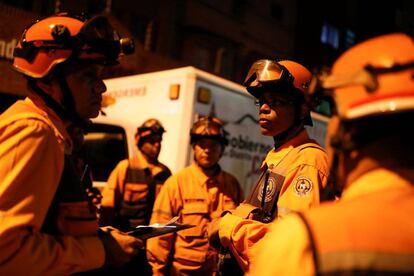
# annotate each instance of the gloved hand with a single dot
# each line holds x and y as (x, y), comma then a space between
(119, 247)
(245, 210)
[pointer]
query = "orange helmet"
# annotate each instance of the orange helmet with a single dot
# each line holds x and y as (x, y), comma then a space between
(265, 71)
(149, 127)
(286, 74)
(374, 78)
(208, 127)
(57, 38)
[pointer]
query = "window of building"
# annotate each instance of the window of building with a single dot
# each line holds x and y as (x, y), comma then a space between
(349, 39)
(330, 35)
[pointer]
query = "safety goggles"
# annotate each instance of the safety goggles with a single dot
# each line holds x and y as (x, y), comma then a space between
(267, 71)
(151, 129)
(273, 103)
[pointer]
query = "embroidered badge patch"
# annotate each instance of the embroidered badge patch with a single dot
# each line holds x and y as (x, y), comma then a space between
(270, 190)
(303, 186)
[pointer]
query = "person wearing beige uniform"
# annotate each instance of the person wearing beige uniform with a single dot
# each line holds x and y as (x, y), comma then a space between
(132, 187)
(197, 194)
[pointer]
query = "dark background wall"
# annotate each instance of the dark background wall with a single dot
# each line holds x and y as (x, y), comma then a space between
(220, 36)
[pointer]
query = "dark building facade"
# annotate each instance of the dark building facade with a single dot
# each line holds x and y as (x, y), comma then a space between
(325, 29)
(222, 37)
(219, 36)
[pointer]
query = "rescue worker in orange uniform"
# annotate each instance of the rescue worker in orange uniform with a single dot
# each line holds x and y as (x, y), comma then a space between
(132, 187)
(197, 194)
(293, 172)
(370, 230)
(47, 226)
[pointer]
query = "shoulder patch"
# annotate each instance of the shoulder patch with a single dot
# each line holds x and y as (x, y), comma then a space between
(303, 186)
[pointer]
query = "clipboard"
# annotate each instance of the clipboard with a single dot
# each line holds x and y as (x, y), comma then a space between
(149, 231)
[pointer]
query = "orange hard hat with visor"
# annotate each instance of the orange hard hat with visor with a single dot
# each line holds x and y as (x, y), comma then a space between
(208, 127)
(286, 76)
(374, 78)
(57, 38)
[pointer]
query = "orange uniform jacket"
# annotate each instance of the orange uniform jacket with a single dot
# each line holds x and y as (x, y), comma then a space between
(32, 147)
(131, 190)
(197, 199)
(369, 230)
(305, 176)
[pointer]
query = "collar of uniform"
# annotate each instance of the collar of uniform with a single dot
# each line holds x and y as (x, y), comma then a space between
(278, 153)
(201, 177)
(375, 180)
(140, 162)
(60, 126)
(299, 139)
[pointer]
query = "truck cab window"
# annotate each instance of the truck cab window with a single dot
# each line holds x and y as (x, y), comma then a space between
(105, 145)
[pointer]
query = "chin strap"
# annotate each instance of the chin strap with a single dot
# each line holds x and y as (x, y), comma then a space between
(338, 145)
(66, 110)
(288, 134)
(331, 191)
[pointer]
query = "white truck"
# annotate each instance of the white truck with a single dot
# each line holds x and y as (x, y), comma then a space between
(176, 97)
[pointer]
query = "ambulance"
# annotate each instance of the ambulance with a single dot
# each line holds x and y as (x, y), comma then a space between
(177, 97)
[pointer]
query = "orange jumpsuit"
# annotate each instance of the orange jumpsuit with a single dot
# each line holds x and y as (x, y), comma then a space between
(36, 236)
(197, 199)
(130, 192)
(305, 174)
(369, 230)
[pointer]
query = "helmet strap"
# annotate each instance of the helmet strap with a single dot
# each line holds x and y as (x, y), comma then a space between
(297, 126)
(49, 101)
(58, 108)
(332, 189)
(288, 134)
(68, 103)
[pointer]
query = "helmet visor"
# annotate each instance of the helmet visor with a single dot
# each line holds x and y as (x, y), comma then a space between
(151, 127)
(98, 28)
(266, 70)
(99, 36)
(209, 127)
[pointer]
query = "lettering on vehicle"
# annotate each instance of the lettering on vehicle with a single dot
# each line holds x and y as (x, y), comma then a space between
(128, 92)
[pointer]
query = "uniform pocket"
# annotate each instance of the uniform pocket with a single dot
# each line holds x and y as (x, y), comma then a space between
(135, 192)
(195, 212)
(77, 219)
